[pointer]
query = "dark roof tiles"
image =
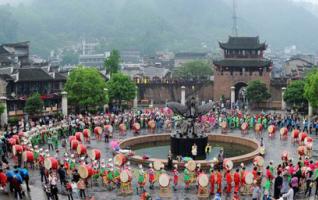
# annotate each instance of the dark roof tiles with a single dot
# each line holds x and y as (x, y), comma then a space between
(252, 43)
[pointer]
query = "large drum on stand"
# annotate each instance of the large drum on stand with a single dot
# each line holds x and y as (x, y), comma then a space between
(28, 156)
(94, 154)
(50, 163)
(203, 180)
(164, 180)
(85, 171)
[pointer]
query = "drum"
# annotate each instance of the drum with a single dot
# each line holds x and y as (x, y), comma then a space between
(157, 165)
(79, 136)
(301, 150)
(295, 133)
(259, 161)
(271, 129)
(85, 171)
(191, 165)
(122, 127)
(74, 144)
(244, 126)
(71, 138)
(152, 124)
(28, 156)
(17, 149)
(50, 163)
(285, 155)
(249, 178)
(164, 180)
(120, 159)
(283, 131)
(94, 154)
(109, 128)
(302, 136)
(98, 130)
(12, 141)
(81, 149)
(308, 140)
(124, 177)
(228, 164)
(203, 180)
(136, 127)
(224, 125)
(258, 127)
(309, 146)
(87, 133)
(17, 139)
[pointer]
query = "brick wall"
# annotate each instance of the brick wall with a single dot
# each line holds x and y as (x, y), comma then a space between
(223, 83)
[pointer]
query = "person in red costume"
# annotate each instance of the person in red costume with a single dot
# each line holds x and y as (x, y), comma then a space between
(212, 181)
(151, 175)
(254, 172)
(3, 179)
(219, 181)
(175, 177)
(269, 174)
(228, 178)
(237, 180)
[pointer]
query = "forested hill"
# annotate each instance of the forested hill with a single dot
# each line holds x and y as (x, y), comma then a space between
(151, 25)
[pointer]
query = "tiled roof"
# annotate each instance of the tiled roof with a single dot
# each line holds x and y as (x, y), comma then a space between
(242, 62)
(197, 55)
(243, 43)
(33, 74)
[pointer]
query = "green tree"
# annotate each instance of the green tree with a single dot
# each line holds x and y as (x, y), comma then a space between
(120, 88)
(311, 87)
(112, 62)
(195, 70)
(34, 104)
(256, 92)
(85, 87)
(294, 94)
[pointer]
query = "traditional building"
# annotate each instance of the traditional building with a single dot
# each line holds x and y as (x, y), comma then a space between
(296, 68)
(16, 85)
(14, 54)
(243, 62)
(94, 60)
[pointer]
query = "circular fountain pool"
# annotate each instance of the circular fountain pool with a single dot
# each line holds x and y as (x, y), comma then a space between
(237, 149)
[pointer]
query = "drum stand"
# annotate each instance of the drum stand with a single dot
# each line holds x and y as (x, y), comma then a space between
(203, 192)
(246, 189)
(125, 188)
(165, 192)
(223, 130)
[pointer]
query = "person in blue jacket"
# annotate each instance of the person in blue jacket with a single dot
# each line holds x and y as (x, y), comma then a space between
(25, 176)
(16, 182)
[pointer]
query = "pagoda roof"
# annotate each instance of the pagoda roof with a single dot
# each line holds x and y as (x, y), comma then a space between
(243, 62)
(251, 43)
(33, 74)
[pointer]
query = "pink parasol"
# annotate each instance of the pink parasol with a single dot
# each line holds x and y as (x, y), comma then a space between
(114, 144)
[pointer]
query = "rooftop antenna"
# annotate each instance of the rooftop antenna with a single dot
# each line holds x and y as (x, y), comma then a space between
(234, 28)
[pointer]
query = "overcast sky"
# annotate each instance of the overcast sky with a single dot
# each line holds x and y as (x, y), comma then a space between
(19, 1)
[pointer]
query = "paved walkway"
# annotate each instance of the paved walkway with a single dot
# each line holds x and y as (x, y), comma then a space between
(274, 148)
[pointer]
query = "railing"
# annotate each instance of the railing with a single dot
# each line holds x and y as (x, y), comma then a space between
(170, 81)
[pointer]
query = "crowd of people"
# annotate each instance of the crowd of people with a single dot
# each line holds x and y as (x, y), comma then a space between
(61, 173)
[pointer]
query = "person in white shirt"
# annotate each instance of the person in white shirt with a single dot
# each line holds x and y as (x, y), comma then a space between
(290, 194)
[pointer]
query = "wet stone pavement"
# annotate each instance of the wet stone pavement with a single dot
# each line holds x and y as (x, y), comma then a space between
(274, 148)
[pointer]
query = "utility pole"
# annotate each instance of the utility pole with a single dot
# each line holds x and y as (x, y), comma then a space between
(234, 17)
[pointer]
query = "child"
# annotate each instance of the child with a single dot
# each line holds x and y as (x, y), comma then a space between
(69, 190)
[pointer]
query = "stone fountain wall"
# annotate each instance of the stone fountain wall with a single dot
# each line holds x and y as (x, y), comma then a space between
(204, 164)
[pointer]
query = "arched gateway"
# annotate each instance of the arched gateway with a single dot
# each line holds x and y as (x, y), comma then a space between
(243, 62)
